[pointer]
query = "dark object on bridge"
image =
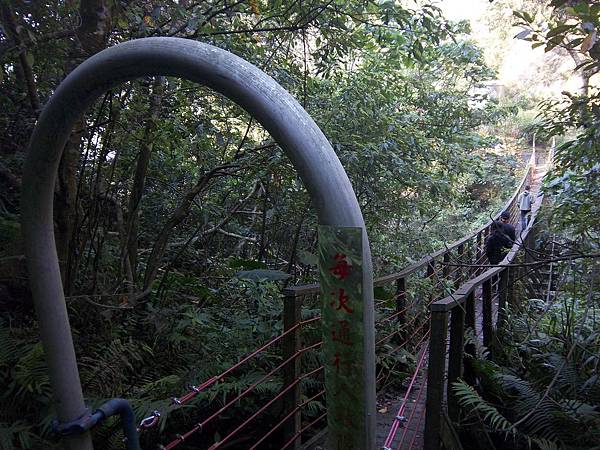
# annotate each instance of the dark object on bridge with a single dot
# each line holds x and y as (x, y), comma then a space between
(112, 407)
(497, 243)
(509, 229)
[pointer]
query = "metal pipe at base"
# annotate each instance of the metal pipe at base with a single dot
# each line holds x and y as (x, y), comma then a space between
(75, 430)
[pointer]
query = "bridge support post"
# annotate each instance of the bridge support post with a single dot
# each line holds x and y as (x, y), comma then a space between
(487, 323)
(455, 357)
(292, 314)
(503, 293)
(349, 378)
(470, 322)
(446, 269)
(513, 274)
(435, 379)
(529, 244)
(401, 302)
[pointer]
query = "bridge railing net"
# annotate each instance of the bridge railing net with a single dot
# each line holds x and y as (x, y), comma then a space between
(297, 410)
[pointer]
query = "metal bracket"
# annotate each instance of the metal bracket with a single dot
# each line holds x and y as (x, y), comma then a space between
(77, 426)
(149, 421)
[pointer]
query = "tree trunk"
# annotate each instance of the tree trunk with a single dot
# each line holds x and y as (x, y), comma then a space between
(176, 218)
(141, 170)
(24, 69)
(91, 37)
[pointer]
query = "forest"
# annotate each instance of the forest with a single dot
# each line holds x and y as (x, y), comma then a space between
(179, 221)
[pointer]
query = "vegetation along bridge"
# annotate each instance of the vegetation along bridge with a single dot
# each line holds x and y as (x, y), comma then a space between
(447, 306)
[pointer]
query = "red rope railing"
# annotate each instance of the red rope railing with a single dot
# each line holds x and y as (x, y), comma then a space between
(434, 268)
(412, 412)
(253, 386)
(264, 407)
(197, 389)
(399, 416)
(290, 414)
(302, 430)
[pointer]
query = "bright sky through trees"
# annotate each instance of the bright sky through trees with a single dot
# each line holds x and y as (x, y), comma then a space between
(516, 62)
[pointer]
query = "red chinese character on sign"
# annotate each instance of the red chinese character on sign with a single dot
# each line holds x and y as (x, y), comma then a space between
(336, 363)
(342, 301)
(341, 332)
(340, 360)
(341, 270)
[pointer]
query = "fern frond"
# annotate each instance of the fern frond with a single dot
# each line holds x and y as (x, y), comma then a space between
(469, 399)
(481, 351)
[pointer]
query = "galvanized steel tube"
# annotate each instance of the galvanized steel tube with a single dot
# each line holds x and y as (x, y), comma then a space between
(279, 113)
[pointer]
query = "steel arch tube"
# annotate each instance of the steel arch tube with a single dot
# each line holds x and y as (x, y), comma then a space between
(260, 95)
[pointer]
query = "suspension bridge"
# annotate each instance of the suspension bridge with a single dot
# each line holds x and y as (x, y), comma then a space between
(458, 293)
(441, 308)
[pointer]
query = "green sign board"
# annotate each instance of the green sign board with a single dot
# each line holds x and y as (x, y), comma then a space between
(340, 263)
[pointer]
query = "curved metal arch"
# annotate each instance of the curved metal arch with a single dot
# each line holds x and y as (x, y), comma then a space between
(278, 112)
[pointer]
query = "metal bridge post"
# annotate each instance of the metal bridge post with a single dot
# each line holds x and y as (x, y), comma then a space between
(435, 379)
(274, 108)
(292, 314)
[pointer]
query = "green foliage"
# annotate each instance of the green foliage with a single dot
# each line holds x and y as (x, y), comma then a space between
(390, 85)
(468, 398)
(10, 236)
(577, 163)
(541, 388)
(573, 26)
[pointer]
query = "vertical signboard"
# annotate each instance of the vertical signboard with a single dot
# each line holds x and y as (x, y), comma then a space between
(340, 264)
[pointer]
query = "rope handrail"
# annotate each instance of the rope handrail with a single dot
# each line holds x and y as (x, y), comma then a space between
(434, 270)
(457, 312)
(302, 430)
(412, 414)
(285, 418)
(458, 296)
(412, 320)
(152, 420)
(265, 406)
